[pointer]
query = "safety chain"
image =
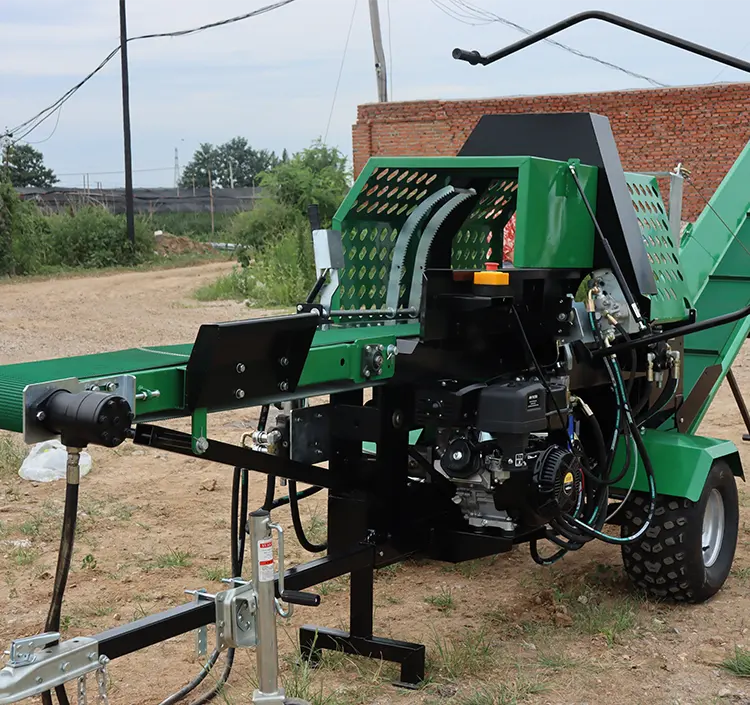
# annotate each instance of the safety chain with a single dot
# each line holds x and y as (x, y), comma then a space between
(102, 681)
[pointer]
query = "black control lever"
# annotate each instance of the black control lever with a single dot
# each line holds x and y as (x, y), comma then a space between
(297, 597)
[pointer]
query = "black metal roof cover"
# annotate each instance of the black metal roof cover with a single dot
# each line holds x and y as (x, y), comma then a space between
(584, 136)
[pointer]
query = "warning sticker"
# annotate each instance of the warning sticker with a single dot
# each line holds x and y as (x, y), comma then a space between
(265, 560)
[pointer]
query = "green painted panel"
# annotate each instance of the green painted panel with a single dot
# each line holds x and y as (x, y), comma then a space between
(681, 462)
(669, 303)
(553, 227)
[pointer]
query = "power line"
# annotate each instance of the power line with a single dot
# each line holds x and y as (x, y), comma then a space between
(468, 13)
(34, 122)
(341, 70)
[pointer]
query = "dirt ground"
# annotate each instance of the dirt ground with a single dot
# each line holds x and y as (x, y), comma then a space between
(151, 525)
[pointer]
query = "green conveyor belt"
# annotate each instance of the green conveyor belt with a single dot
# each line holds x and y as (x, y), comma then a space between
(162, 366)
(13, 378)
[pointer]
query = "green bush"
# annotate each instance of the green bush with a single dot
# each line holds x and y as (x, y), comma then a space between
(193, 225)
(284, 271)
(94, 237)
(24, 234)
(280, 274)
(8, 200)
(265, 223)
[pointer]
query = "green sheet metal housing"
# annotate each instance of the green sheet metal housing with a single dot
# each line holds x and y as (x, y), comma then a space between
(553, 228)
(681, 463)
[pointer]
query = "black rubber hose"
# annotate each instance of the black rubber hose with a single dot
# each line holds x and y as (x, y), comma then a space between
(64, 556)
(538, 559)
(688, 329)
(633, 360)
(190, 687)
(283, 501)
(297, 523)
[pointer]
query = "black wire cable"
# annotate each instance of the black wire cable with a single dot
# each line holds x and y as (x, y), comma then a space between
(297, 522)
(50, 110)
(537, 367)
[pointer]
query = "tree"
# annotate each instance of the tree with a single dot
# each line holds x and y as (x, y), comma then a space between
(318, 174)
(233, 163)
(24, 166)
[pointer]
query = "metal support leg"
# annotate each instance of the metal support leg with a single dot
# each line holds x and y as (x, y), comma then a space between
(737, 394)
(267, 650)
(350, 523)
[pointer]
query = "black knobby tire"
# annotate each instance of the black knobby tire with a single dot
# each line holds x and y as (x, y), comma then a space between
(669, 561)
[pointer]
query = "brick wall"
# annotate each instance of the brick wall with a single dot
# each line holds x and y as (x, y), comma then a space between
(704, 127)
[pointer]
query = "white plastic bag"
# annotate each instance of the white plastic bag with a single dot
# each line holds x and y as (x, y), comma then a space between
(47, 462)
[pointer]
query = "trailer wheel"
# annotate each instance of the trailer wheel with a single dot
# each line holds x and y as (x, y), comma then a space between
(688, 551)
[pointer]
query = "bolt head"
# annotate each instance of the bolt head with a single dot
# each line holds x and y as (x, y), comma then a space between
(240, 368)
(240, 394)
(456, 499)
(40, 416)
(284, 361)
(201, 445)
(283, 386)
(457, 455)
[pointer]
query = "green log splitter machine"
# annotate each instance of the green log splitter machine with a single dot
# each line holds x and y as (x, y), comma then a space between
(472, 404)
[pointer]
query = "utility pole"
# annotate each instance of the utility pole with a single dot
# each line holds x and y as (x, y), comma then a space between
(377, 43)
(231, 174)
(177, 170)
(129, 206)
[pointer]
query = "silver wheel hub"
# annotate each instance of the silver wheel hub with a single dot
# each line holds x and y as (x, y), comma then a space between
(713, 528)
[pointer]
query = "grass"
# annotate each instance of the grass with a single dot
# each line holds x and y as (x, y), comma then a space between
(215, 573)
(460, 656)
(231, 287)
(556, 662)
(443, 600)
(24, 556)
(12, 454)
(316, 529)
(742, 574)
(507, 693)
(175, 558)
(611, 618)
(739, 663)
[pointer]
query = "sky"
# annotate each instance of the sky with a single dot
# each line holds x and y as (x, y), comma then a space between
(272, 78)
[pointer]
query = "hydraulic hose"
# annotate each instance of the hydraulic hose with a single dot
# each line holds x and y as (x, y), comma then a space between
(64, 556)
(304, 494)
(297, 522)
(676, 332)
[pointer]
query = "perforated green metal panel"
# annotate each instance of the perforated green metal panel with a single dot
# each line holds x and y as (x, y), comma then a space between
(481, 238)
(384, 203)
(670, 303)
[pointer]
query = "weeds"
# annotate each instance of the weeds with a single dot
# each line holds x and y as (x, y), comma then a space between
(739, 663)
(215, 573)
(12, 454)
(443, 600)
(507, 693)
(742, 574)
(23, 556)
(464, 655)
(316, 529)
(556, 662)
(175, 558)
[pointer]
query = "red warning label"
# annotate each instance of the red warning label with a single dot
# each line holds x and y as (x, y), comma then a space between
(265, 560)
